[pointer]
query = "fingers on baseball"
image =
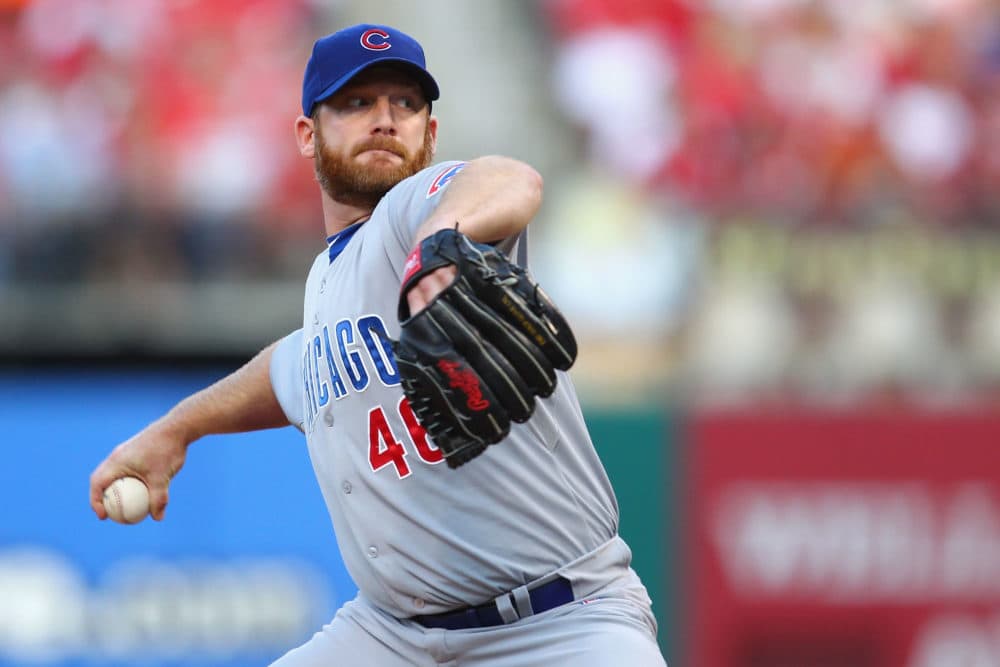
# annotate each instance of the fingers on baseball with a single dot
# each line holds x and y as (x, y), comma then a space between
(159, 495)
(97, 501)
(100, 480)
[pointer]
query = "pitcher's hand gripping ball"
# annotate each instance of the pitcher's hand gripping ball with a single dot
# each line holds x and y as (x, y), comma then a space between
(475, 358)
(126, 500)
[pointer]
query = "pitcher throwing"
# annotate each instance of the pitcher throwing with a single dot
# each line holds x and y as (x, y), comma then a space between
(429, 378)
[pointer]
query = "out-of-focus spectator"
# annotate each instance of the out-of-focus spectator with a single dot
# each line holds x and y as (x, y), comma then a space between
(742, 342)
(927, 131)
(149, 140)
(840, 104)
(616, 83)
(811, 119)
(169, 117)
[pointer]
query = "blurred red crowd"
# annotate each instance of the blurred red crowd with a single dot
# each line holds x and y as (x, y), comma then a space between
(128, 124)
(798, 111)
(175, 112)
(164, 97)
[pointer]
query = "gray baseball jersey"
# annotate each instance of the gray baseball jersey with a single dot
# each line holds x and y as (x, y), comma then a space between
(417, 537)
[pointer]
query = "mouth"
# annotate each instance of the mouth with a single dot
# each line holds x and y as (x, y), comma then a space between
(381, 149)
(381, 152)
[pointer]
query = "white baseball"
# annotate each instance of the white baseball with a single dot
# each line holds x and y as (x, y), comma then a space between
(126, 500)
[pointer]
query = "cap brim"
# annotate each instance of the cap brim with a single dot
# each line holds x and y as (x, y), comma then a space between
(423, 77)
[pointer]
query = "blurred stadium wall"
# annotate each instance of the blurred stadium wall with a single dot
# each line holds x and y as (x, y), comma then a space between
(778, 214)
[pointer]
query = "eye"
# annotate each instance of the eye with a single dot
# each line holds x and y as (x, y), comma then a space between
(355, 102)
(406, 102)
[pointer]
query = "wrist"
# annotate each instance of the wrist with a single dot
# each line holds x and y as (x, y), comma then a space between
(172, 427)
(432, 225)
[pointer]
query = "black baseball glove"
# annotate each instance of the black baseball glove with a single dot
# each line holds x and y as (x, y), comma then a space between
(475, 358)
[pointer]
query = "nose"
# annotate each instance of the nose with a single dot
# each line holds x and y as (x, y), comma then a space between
(384, 120)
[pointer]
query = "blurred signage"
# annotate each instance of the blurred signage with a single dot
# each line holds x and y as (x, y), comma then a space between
(145, 609)
(244, 568)
(845, 540)
(825, 259)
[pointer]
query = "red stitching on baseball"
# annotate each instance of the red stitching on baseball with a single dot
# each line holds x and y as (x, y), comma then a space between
(118, 499)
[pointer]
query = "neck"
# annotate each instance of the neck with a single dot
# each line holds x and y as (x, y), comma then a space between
(338, 215)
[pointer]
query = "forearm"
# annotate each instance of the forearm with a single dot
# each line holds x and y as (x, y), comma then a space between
(241, 401)
(491, 199)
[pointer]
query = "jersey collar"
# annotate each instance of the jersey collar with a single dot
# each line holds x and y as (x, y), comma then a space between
(339, 241)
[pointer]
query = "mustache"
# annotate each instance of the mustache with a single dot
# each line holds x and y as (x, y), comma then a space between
(381, 143)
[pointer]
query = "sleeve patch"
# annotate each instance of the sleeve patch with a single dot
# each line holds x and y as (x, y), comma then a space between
(442, 179)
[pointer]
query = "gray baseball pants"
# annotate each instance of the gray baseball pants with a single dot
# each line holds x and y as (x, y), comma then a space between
(612, 627)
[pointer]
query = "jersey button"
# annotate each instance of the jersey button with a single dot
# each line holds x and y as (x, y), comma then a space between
(347, 487)
(373, 552)
(328, 418)
(322, 285)
(418, 603)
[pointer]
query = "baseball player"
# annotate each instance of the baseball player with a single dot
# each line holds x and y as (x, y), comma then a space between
(428, 377)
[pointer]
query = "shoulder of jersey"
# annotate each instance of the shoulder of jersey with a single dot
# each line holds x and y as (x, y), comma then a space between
(439, 174)
(443, 176)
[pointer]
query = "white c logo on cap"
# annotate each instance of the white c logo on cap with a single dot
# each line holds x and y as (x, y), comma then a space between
(375, 40)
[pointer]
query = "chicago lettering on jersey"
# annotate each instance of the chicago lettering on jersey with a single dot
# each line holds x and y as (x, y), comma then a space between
(344, 357)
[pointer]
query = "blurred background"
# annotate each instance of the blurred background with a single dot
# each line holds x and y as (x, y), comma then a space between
(774, 225)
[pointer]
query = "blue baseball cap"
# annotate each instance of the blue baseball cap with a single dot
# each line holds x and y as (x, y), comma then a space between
(339, 57)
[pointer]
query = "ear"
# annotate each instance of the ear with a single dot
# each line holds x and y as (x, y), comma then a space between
(305, 135)
(432, 125)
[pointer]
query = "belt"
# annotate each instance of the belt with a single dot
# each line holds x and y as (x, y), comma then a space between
(507, 608)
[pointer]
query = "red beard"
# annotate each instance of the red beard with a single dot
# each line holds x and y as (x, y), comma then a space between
(363, 185)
